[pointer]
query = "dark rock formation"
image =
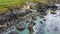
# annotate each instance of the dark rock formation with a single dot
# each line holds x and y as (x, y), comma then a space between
(53, 12)
(54, 8)
(21, 27)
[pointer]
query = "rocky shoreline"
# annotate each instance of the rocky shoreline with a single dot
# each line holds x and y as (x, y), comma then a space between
(8, 19)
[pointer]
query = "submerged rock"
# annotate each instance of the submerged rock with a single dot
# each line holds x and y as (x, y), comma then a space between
(56, 29)
(44, 19)
(41, 22)
(13, 32)
(21, 27)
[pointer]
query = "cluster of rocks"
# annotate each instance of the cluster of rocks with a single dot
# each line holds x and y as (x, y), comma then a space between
(10, 17)
(42, 8)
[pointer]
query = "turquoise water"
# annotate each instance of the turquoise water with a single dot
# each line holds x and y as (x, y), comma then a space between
(25, 31)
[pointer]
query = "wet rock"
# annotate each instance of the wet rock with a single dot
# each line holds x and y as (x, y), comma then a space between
(44, 19)
(30, 27)
(42, 11)
(33, 18)
(13, 32)
(41, 16)
(54, 8)
(47, 7)
(53, 12)
(21, 27)
(41, 22)
(30, 21)
(56, 29)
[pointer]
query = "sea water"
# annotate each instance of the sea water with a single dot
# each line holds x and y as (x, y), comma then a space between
(50, 26)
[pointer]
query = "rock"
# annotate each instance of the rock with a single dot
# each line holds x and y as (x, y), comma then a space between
(13, 32)
(30, 27)
(41, 16)
(41, 22)
(21, 27)
(56, 29)
(36, 5)
(42, 11)
(54, 8)
(47, 7)
(53, 12)
(29, 21)
(33, 18)
(44, 19)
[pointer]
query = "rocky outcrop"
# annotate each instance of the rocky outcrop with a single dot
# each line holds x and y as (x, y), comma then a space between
(30, 27)
(21, 27)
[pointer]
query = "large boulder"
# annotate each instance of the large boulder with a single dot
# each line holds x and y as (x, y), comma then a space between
(21, 27)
